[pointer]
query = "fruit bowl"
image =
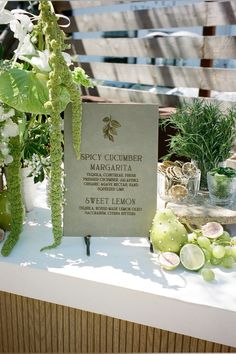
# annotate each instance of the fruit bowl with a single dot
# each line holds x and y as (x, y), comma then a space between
(178, 182)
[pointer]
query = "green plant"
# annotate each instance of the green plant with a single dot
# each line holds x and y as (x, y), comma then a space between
(35, 145)
(225, 171)
(14, 195)
(42, 85)
(205, 134)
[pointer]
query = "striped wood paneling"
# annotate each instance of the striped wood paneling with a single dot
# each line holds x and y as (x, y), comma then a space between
(215, 47)
(208, 13)
(28, 325)
(170, 76)
(199, 14)
(139, 96)
(75, 4)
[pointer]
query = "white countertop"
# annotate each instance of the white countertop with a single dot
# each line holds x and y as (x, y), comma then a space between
(121, 279)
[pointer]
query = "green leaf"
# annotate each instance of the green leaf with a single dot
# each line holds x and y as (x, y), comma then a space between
(115, 123)
(110, 137)
(25, 92)
(113, 131)
(106, 119)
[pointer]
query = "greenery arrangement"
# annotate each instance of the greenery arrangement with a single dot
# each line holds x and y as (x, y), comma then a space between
(205, 134)
(36, 82)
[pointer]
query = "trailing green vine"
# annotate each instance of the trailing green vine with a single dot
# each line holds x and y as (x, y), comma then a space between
(43, 85)
(60, 75)
(14, 195)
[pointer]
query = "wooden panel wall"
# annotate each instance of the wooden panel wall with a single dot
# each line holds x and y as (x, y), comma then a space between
(172, 76)
(199, 14)
(33, 326)
(217, 47)
(149, 17)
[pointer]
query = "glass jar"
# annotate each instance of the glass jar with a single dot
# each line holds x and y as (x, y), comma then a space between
(222, 189)
(178, 190)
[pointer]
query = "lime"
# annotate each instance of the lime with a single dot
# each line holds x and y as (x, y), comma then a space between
(169, 172)
(178, 192)
(189, 169)
(177, 171)
(212, 229)
(169, 260)
(192, 257)
(168, 163)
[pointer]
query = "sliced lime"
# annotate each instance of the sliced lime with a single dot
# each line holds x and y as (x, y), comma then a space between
(178, 192)
(189, 169)
(169, 260)
(192, 257)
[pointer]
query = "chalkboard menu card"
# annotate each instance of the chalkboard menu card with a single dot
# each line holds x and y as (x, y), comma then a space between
(111, 190)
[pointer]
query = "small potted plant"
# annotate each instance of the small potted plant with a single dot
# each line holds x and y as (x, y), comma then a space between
(205, 134)
(222, 185)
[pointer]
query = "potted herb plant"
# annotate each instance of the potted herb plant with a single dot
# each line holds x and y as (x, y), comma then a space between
(222, 185)
(205, 134)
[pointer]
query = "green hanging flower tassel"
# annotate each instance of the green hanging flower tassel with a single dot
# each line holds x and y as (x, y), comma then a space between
(60, 75)
(14, 195)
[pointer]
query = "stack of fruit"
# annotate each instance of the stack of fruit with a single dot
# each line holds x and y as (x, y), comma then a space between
(196, 251)
(178, 181)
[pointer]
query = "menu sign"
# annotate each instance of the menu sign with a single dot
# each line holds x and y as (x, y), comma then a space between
(111, 190)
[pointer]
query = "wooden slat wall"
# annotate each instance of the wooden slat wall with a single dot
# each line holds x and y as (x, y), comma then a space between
(65, 5)
(140, 96)
(208, 13)
(34, 326)
(199, 14)
(171, 76)
(217, 47)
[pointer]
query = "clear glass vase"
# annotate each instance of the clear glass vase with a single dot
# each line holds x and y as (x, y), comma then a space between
(178, 190)
(204, 167)
(222, 189)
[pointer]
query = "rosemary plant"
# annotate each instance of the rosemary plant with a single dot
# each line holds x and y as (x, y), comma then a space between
(205, 134)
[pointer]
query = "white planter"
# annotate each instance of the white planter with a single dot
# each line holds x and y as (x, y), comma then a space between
(28, 189)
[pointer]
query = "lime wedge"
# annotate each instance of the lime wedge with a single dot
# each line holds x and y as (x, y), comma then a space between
(169, 260)
(192, 257)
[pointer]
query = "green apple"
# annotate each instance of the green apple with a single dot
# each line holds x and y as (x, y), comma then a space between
(5, 215)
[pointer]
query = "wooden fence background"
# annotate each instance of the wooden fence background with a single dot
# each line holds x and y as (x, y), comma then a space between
(33, 326)
(205, 48)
